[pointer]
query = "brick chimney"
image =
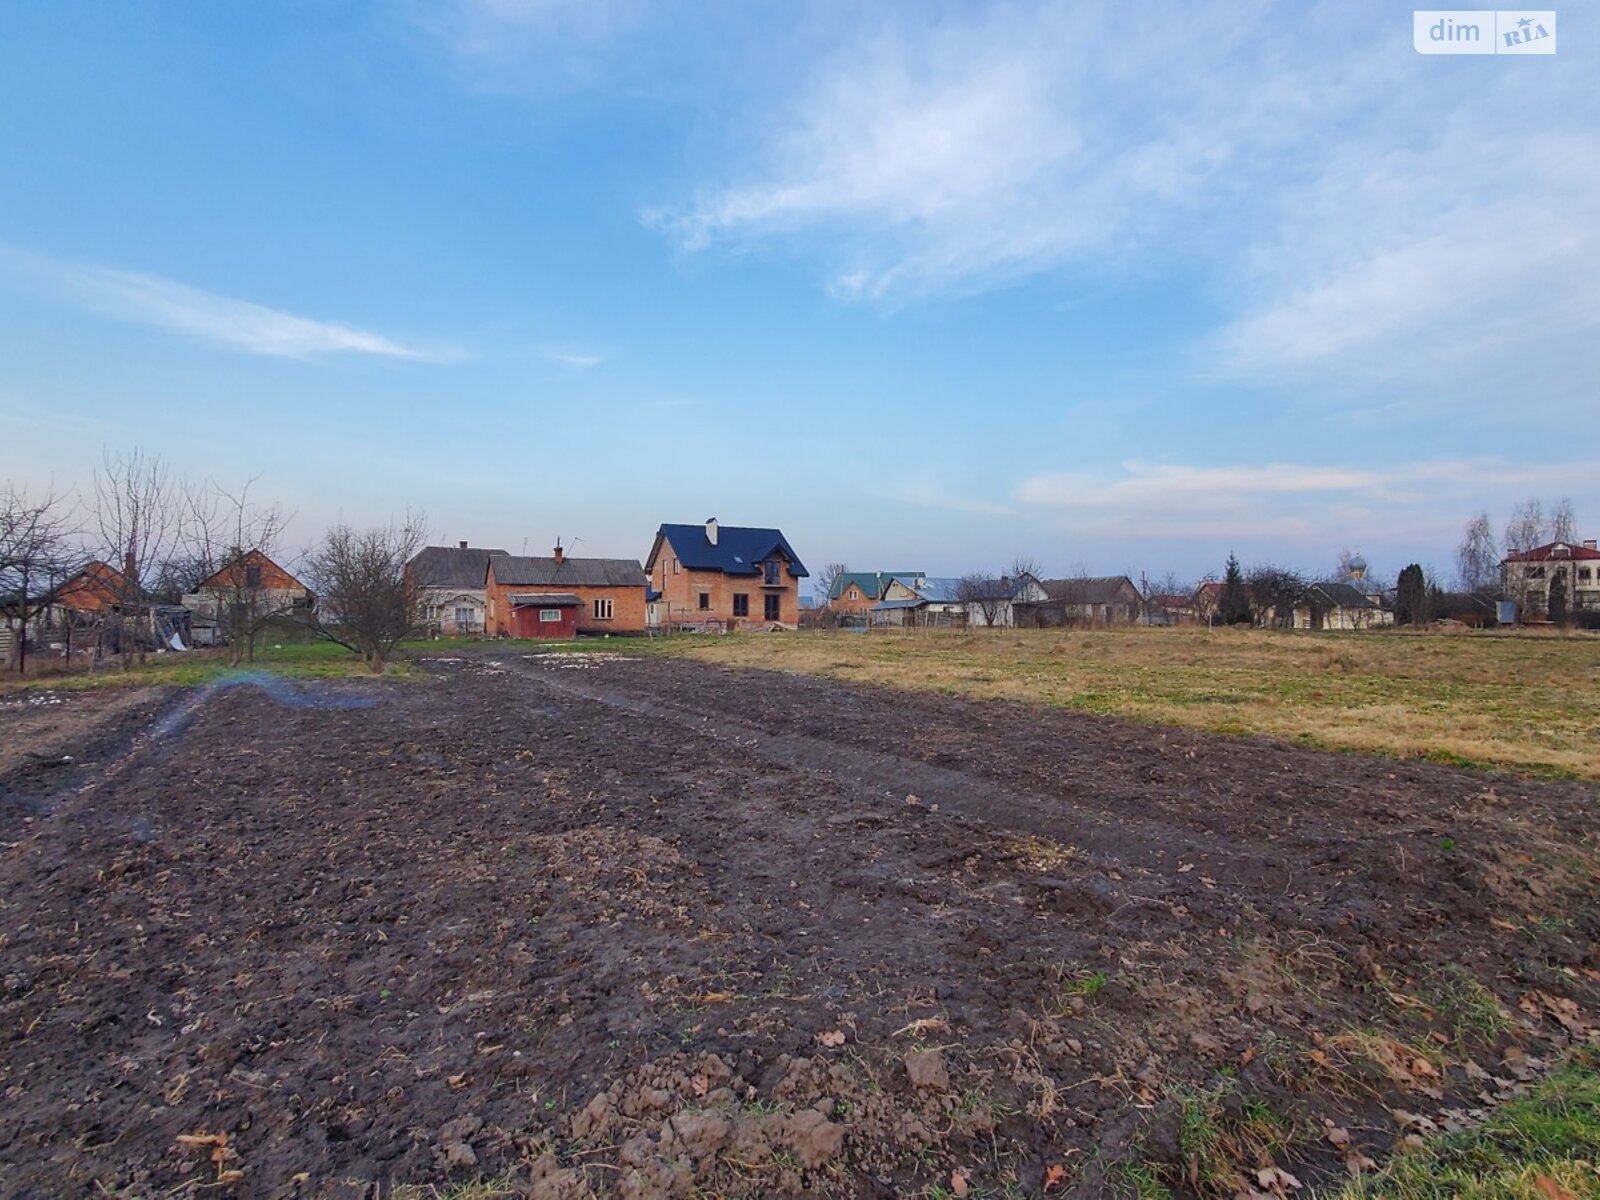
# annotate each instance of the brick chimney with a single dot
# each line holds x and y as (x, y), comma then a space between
(561, 555)
(463, 545)
(1588, 543)
(711, 530)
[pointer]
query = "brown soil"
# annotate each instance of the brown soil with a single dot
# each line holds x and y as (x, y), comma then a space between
(639, 927)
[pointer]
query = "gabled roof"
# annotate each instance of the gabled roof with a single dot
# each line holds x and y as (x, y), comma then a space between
(871, 583)
(1555, 552)
(1089, 589)
(96, 585)
(250, 558)
(739, 549)
(942, 590)
(1344, 595)
(451, 566)
(515, 571)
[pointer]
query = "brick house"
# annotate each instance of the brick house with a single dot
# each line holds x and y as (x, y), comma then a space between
(737, 576)
(857, 591)
(449, 582)
(251, 580)
(561, 597)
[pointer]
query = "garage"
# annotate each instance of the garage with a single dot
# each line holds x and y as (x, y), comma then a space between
(547, 616)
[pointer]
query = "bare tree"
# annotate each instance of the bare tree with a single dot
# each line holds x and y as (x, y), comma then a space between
(1024, 566)
(139, 519)
(825, 580)
(1563, 521)
(367, 603)
(1275, 592)
(1205, 598)
(35, 556)
(985, 596)
(1478, 557)
(225, 529)
(1527, 527)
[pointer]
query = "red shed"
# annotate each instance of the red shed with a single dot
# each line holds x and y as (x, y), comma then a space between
(549, 616)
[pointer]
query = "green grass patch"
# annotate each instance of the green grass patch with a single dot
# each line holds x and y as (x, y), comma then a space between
(1539, 1147)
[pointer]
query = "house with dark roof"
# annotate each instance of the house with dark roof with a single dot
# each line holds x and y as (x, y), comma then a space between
(449, 582)
(1342, 604)
(1085, 600)
(716, 576)
(561, 596)
(858, 591)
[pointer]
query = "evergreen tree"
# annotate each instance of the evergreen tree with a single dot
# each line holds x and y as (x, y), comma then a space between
(1411, 596)
(1558, 598)
(1234, 604)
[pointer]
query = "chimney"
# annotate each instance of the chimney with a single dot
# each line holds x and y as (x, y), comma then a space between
(463, 545)
(1588, 543)
(711, 530)
(561, 555)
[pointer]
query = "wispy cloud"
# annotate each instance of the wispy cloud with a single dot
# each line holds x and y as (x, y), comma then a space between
(209, 316)
(926, 493)
(569, 357)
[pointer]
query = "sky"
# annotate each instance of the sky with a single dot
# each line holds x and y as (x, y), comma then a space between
(928, 286)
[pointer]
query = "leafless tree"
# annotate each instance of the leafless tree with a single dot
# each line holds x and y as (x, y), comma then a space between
(1478, 557)
(35, 556)
(1024, 566)
(1275, 592)
(1563, 521)
(1527, 527)
(224, 528)
(139, 519)
(826, 578)
(983, 595)
(1204, 598)
(367, 603)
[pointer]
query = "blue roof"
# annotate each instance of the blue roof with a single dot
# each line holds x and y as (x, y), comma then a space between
(739, 550)
(883, 604)
(937, 591)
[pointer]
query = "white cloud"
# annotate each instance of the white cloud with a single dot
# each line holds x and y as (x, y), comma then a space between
(567, 357)
(223, 320)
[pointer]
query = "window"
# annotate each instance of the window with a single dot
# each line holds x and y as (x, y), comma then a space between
(770, 606)
(705, 601)
(769, 572)
(741, 604)
(550, 616)
(674, 566)
(1536, 573)
(1583, 574)
(603, 609)
(463, 616)
(252, 577)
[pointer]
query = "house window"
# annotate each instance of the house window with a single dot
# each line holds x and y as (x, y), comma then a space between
(550, 616)
(705, 601)
(769, 572)
(1583, 574)
(1536, 573)
(770, 606)
(603, 609)
(741, 604)
(252, 577)
(463, 616)
(674, 566)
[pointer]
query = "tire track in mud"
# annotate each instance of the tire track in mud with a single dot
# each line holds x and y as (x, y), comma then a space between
(880, 779)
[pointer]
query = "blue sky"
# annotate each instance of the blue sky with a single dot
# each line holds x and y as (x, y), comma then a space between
(935, 286)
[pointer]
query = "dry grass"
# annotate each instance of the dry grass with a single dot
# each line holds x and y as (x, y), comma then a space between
(1526, 702)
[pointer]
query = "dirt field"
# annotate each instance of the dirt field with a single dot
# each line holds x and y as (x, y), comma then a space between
(643, 927)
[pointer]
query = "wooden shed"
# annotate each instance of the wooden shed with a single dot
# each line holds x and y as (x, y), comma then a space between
(548, 616)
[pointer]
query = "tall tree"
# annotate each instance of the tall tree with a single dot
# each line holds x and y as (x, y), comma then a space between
(1559, 606)
(139, 519)
(984, 598)
(1233, 606)
(826, 578)
(1527, 527)
(35, 556)
(1411, 601)
(1276, 592)
(1563, 521)
(1478, 557)
(366, 602)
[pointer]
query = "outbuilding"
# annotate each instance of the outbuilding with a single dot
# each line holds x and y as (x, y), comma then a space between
(547, 616)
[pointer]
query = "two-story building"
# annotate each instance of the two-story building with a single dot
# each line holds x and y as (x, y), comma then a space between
(726, 576)
(1526, 576)
(561, 596)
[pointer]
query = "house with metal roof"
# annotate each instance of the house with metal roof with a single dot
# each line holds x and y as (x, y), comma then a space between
(721, 577)
(1529, 577)
(1084, 600)
(921, 600)
(449, 582)
(858, 591)
(561, 596)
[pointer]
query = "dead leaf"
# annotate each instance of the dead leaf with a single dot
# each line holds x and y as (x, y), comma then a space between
(1248, 1056)
(1054, 1176)
(1335, 1134)
(832, 1038)
(958, 1183)
(1549, 1187)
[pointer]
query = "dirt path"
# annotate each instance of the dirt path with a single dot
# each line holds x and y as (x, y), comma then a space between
(635, 927)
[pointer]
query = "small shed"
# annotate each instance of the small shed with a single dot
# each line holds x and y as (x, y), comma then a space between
(548, 616)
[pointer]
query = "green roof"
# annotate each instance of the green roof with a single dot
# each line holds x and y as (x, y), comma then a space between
(870, 582)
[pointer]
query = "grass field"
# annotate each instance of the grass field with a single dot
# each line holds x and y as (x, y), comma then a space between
(1525, 702)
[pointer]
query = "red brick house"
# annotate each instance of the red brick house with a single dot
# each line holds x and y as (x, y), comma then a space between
(561, 597)
(731, 575)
